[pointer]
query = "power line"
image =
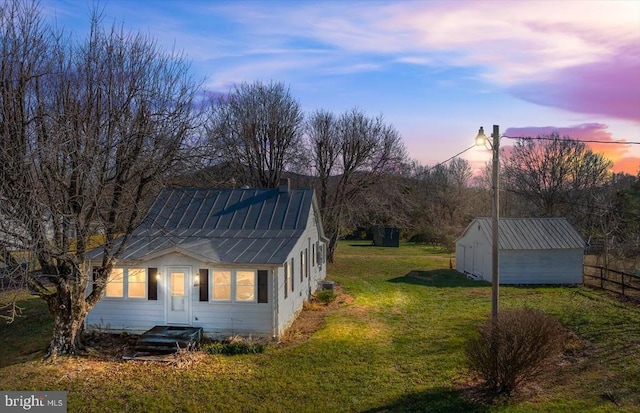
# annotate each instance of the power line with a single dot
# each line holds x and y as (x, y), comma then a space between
(448, 159)
(544, 138)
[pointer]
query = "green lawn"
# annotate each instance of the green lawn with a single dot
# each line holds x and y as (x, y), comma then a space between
(397, 347)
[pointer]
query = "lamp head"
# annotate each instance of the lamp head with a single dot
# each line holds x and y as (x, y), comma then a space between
(481, 138)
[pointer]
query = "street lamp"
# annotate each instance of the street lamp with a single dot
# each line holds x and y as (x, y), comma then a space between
(481, 140)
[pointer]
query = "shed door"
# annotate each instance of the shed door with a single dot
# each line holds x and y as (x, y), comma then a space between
(179, 297)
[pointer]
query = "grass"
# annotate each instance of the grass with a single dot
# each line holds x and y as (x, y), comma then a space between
(398, 346)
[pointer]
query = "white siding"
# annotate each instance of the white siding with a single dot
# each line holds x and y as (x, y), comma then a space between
(130, 315)
(541, 267)
(288, 308)
(473, 254)
(216, 319)
(227, 319)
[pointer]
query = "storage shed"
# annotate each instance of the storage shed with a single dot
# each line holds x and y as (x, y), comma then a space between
(386, 236)
(531, 251)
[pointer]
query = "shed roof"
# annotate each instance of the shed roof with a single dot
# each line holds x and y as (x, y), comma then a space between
(532, 233)
(250, 226)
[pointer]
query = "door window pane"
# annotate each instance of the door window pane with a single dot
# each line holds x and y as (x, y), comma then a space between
(177, 291)
(177, 284)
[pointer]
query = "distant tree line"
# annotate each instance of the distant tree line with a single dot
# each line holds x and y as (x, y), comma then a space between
(363, 176)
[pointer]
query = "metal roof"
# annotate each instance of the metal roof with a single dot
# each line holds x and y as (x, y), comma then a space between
(532, 233)
(250, 226)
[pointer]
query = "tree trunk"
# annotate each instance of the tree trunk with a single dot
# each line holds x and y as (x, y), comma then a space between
(68, 323)
(331, 248)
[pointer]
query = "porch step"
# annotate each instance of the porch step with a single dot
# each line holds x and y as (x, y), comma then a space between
(167, 339)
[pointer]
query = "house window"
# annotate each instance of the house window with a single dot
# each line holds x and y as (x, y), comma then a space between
(238, 286)
(115, 285)
(136, 282)
(245, 285)
(221, 286)
(306, 262)
(321, 256)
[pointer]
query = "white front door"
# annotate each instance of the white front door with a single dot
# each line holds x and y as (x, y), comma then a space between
(179, 297)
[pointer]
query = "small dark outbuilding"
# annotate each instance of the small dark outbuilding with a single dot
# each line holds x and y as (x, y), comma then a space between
(386, 236)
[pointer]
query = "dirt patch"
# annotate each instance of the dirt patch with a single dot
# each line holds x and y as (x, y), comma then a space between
(104, 346)
(312, 317)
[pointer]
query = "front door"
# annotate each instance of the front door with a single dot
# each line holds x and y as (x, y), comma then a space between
(179, 296)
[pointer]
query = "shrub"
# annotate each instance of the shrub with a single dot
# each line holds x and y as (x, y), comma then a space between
(232, 346)
(325, 296)
(517, 347)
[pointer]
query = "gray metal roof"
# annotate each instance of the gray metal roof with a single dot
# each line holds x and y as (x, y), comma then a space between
(532, 233)
(249, 226)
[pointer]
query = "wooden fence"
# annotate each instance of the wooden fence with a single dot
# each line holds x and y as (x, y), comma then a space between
(612, 280)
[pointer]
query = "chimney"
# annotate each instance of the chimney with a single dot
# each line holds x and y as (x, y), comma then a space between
(284, 185)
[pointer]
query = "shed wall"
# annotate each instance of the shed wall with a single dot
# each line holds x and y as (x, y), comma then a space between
(473, 254)
(517, 266)
(541, 266)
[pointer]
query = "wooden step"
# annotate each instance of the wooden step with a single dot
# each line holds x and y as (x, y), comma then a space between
(167, 339)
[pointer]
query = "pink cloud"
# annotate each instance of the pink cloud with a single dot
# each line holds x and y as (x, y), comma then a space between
(610, 88)
(618, 153)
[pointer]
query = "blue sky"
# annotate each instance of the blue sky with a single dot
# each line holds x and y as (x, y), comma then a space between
(436, 70)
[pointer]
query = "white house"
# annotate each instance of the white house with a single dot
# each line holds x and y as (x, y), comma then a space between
(232, 261)
(531, 251)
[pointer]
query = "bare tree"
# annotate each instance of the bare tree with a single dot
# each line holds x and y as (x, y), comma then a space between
(257, 128)
(87, 131)
(444, 199)
(349, 154)
(554, 173)
(614, 220)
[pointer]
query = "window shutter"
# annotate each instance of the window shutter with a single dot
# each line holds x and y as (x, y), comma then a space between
(262, 286)
(286, 279)
(204, 284)
(152, 284)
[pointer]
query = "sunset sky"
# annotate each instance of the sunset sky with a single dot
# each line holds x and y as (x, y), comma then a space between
(436, 70)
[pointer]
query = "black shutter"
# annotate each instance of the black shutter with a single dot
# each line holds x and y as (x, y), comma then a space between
(152, 284)
(286, 279)
(204, 284)
(262, 286)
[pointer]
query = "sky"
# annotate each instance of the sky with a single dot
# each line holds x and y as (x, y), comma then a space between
(435, 70)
